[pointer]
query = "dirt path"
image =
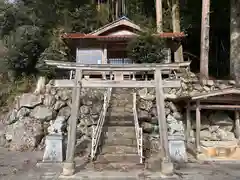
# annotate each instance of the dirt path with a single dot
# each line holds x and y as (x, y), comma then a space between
(22, 166)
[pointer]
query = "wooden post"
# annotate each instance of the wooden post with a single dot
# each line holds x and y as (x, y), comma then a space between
(205, 39)
(166, 166)
(105, 60)
(237, 124)
(188, 122)
(198, 125)
(134, 77)
(69, 165)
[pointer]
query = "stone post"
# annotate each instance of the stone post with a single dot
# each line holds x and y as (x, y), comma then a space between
(69, 165)
(54, 149)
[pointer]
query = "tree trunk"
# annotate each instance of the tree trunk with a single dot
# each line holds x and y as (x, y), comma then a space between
(123, 7)
(98, 5)
(235, 40)
(112, 9)
(205, 40)
(178, 55)
(159, 16)
(116, 9)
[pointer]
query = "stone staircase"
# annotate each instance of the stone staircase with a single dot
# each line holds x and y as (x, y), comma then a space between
(119, 147)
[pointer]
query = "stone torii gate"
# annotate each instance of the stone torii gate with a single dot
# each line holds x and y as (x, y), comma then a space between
(79, 82)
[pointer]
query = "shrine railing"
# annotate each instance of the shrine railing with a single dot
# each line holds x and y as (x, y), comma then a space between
(138, 130)
(97, 131)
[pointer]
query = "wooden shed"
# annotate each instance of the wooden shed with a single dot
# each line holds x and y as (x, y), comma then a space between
(219, 100)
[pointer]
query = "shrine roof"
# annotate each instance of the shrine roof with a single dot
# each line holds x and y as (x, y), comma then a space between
(121, 22)
(166, 35)
(120, 29)
(227, 91)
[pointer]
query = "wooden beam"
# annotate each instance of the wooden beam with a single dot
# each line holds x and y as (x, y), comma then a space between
(162, 122)
(188, 122)
(198, 126)
(218, 107)
(113, 83)
(216, 93)
(69, 166)
(104, 60)
(237, 124)
(127, 83)
(117, 67)
(223, 100)
(100, 72)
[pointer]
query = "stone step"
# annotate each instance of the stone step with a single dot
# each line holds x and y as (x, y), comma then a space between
(119, 93)
(120, 132)
(122, 109)
(113, 109)
(120, 123)
(122, 94)
(118, 166)
(119, 109)
(122, 174)
(120, 129)
(120, 142)
(124, 99)
(119, 135)
(119, 150)
(120, 115)
(112, 158)
(121, 102)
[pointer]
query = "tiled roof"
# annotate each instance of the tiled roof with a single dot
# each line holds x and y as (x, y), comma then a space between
(114, 37)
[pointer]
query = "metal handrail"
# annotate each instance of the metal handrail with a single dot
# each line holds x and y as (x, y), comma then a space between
(97, 131)
(138, 130)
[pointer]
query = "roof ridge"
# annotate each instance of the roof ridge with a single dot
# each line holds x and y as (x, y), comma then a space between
(113, 22)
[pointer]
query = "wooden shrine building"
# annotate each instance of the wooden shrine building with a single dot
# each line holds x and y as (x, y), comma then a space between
(107, 45)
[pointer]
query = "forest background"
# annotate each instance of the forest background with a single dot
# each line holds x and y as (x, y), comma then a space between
(30, 31)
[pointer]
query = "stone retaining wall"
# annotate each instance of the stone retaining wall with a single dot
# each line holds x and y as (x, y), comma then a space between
(215, 125)
(27, 123)
(147, 114)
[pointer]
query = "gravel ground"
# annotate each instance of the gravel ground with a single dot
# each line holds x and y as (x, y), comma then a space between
(22, 166)
(210, 171)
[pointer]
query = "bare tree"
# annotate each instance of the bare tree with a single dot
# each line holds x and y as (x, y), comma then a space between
(235, 40)
(178, 55)
(204, 56)
(159, 16)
